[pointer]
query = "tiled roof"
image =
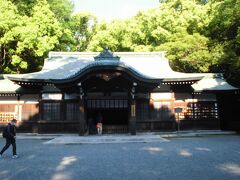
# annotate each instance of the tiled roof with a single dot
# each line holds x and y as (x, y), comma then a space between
(62, 66)
(66, 65)
(7, 86)
(211, 83)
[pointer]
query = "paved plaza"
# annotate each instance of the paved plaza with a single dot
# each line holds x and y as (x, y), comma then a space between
(187, 158)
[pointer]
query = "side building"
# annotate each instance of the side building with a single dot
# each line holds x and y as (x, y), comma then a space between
(133, 92)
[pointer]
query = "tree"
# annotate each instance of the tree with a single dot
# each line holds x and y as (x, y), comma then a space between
(114, 35)
(6, 24)
(62, 9)
(199, 35)
(24, 7)
(224, 28)
(82, 26)
(189, 53)
(30, 39)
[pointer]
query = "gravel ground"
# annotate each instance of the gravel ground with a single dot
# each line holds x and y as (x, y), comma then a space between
(215, 157)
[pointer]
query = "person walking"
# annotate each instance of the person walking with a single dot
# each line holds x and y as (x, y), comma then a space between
(10, 135)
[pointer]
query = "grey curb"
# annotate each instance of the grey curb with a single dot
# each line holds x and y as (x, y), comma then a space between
(120, 138)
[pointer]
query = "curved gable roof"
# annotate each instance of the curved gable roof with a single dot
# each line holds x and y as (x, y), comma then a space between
(67, 65)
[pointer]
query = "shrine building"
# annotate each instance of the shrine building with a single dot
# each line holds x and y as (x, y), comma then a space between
(132, 91)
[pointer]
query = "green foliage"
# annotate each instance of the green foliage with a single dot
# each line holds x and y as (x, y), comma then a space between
(62, 9)
(174, 27)
(199, 35)
(6, 25)
(82, 27)
(29, 38)
(224, 28)
(188, 53)
(24, 6)
(114, 36)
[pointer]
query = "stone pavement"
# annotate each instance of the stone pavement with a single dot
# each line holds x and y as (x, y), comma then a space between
(196, 133)
(97, 139)
(120, 138)
(193, 158)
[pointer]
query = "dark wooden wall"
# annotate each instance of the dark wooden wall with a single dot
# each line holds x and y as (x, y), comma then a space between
(63, 116)
(229, 106)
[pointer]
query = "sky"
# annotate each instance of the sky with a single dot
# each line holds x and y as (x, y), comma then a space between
(111, 9)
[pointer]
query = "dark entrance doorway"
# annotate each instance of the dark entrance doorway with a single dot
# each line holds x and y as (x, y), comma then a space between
(107, 93)
(114, 114)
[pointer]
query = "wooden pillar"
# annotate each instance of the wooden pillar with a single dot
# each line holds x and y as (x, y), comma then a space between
(132, 119)
(193, 105)
(63, 108)
(81, 118)
(40, 107)
(63, 112)
(82, 123)
(36, 125)
(193, 111)
(19, 108)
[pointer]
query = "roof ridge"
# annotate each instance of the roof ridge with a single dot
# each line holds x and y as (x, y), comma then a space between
(56, 53)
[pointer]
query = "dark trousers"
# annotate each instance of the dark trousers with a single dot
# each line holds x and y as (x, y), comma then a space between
(8, 143)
